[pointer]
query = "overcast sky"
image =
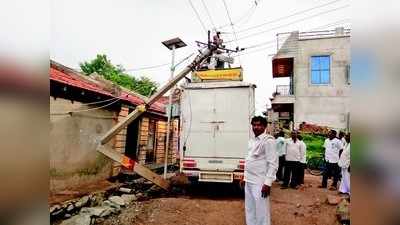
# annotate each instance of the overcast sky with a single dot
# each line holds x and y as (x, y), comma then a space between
(130, 32)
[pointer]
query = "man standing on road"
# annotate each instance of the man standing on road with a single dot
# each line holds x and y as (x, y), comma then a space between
(281, 151)
(259, 173)
(294, 155)
(332, 147)
(303, 161)
(344, 163)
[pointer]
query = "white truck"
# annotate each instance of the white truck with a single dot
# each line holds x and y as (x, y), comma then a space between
(215, 129)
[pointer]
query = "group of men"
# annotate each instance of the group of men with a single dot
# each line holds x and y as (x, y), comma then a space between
(275, 158)
(292, 160)
(337, 162)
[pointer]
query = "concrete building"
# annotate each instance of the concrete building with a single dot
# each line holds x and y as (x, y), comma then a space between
(315, 67)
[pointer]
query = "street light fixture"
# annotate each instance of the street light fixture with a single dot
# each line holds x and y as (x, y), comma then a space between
(171, 44)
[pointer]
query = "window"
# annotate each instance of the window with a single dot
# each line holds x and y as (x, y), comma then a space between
(320, 69)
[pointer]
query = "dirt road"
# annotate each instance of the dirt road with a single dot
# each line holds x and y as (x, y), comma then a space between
(219, 205)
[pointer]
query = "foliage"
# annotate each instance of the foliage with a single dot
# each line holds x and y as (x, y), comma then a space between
(314, 145)
(103, 66)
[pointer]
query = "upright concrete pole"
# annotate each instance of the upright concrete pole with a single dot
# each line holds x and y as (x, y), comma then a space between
(169, 113)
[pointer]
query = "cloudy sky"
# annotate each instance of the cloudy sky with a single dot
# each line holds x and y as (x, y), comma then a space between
(130, 32)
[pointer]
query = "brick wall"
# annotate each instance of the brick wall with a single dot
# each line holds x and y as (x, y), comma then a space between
(159, 145)
(161, 141)
(120, 139)
(161, 129)
(143, 139)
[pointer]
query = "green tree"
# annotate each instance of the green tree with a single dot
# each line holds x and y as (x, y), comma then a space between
(103, 66)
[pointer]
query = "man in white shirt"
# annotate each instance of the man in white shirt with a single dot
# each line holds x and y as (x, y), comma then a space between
(259, 173)
(281, 151)
(344, 163)
(293, 157)
(332, 147)
(303, 160)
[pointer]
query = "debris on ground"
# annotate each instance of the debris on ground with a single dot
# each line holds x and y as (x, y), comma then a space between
(151, 205)
(117, 200)
(343, 211)
(226, 207)
(333, 199)
(78, 220)
(126, 190)
(99, 205)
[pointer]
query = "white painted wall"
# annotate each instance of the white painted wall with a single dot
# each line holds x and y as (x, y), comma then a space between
(325, 105)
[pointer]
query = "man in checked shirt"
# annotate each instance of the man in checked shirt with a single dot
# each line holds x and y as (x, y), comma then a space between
(260, 171)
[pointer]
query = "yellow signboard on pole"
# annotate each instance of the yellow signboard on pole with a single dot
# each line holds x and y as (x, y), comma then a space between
(220, 74)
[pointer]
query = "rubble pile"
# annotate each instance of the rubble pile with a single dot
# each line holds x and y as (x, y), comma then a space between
(96, 206)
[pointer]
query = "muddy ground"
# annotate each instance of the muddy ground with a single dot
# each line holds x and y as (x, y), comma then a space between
(220, 204)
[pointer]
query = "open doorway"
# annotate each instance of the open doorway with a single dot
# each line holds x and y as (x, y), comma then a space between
(132, 136)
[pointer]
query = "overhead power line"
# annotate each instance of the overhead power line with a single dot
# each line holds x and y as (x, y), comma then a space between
(336, 23)
(287, 24)
(271, 43)
(247, 15)
(288, 16)
(158, 65)
(209, 15)
(233, 28)
(148, 67)
(86, 110)
(257, 50)
(198, 16)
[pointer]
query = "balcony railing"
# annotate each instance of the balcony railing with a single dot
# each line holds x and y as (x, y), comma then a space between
(283, 90)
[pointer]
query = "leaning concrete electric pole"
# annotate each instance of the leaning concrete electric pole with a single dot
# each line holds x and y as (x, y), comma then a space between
(126, 161)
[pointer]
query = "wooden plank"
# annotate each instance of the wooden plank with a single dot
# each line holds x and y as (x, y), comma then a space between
(138, 168)
(122, 124)
(110, 154)
(150, 175)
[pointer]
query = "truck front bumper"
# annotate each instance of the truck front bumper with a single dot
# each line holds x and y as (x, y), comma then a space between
(214, 176)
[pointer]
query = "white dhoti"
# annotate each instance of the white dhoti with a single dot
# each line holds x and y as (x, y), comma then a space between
(345, 182)
(257, 207)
